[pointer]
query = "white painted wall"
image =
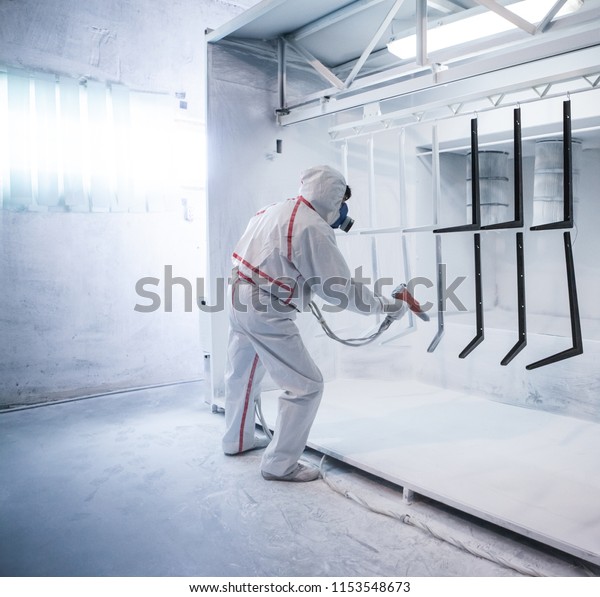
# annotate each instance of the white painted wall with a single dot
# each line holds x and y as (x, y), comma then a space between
(67, 320)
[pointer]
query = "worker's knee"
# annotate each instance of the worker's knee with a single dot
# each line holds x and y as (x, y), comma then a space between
(316, 386)
(307, 387)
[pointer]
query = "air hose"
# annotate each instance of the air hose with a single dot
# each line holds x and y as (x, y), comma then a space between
(440, 533)
(401, 292)
(385, 324)
(261, 417)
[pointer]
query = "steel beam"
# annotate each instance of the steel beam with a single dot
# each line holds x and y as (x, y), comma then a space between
(367, 51)
(543, 24)
(315, 63)
(282, 76)
(483, 77)
(421, 23)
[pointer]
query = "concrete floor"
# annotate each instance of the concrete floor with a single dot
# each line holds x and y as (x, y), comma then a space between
(135, 484)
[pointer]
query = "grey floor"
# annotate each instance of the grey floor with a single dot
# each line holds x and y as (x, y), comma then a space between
(135, 484)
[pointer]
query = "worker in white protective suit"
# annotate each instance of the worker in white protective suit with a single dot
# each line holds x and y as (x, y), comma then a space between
(287, 253)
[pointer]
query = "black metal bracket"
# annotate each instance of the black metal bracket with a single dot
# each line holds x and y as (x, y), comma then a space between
(522, 340)
(567, 221)
(475, 208)
(576, 336)
(517, 221)
(478, 299)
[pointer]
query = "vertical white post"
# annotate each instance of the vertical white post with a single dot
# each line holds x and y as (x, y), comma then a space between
(345, 159)
(435, 166)
(421, 26)
(372, 206)
(402, 194)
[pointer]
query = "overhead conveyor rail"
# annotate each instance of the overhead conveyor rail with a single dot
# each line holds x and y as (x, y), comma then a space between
(358, 69)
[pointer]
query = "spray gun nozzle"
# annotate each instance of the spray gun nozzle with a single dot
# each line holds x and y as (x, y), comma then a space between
(401, 293)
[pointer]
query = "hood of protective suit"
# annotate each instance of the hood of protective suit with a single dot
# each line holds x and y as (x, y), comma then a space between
(324, 187)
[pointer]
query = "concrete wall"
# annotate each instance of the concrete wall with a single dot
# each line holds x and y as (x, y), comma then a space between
(67, 321)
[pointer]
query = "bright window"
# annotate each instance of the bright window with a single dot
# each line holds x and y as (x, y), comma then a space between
(70, 145)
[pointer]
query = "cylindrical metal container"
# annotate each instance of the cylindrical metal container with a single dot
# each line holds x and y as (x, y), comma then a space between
(548, 181)
(493, 186)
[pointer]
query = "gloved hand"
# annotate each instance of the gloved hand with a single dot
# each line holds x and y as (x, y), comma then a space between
(395, 309)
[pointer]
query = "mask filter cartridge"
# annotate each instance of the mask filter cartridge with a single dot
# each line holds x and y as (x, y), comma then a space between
(344, 222)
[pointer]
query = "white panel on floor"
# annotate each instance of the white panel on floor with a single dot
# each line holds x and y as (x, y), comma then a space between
(533, 472)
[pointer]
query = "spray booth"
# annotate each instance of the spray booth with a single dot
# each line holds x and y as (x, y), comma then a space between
(469, 132)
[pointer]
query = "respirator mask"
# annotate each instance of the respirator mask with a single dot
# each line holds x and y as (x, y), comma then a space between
(344, 222)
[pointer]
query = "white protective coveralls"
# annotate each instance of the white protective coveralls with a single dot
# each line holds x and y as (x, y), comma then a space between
(287, 252)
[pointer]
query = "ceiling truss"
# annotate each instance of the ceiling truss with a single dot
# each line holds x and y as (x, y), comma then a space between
(343, 85)
(406, 118)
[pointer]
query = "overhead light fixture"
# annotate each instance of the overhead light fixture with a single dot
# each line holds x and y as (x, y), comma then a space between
(478, 27)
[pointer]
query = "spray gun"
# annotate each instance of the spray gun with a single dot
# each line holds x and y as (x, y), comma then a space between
(401, 293)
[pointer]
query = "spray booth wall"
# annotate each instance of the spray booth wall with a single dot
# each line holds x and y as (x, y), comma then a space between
(391, 175)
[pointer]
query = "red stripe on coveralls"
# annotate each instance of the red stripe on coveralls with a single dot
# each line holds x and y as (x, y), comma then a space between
(251, 281)
(245, 277)
(261, 273)
(247, 402)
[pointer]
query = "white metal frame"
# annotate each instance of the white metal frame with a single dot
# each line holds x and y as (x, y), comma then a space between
(547, 39)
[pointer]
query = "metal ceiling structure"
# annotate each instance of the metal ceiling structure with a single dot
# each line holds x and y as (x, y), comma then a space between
(345, 43)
